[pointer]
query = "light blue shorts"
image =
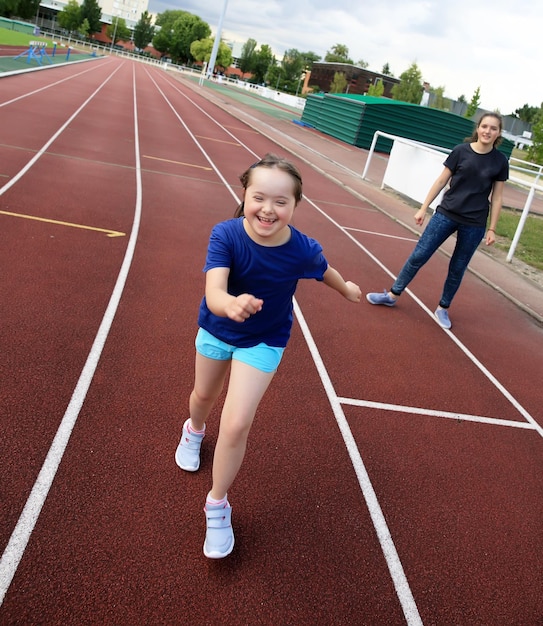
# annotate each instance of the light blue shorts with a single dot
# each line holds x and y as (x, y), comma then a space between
(262, 357)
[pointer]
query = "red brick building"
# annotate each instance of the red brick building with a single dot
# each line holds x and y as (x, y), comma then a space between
(359, 79)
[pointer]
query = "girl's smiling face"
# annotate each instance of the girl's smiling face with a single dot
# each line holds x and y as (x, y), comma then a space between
(269, 204)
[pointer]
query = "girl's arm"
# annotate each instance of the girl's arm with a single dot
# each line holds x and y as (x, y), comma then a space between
(223, 304)
(347, 289)
(496, 200)
(435, 189)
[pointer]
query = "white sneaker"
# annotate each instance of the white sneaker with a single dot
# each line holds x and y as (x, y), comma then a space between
(187, 455)
(219, 540)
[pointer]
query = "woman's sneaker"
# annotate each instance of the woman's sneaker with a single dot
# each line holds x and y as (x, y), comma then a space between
(219, 540)
(187, 455)
(381, 298)
(442, 316)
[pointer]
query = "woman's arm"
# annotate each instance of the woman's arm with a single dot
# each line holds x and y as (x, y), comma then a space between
(223, 304)
(496, 201)
(435, 189)
(347, 289)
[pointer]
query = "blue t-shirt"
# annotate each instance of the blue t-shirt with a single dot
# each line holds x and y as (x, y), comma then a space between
(473, 175)
(269, 273)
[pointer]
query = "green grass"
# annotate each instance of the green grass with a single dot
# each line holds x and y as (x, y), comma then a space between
(530, 245)
(14, 38)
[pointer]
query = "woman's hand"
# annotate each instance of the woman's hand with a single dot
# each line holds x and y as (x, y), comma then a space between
(490, 237)
(419, 216)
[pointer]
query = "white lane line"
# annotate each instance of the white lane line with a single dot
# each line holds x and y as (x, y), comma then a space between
(41, 151)
(394, 564)
(25, 525)
(385, 539)
(372, 232)
(501, 388)
(465, 417)
(48, 86)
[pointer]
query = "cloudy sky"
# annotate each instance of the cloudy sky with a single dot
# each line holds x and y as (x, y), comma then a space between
(492, 44)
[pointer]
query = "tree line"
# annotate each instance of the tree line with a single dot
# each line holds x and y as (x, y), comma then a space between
(186, 39)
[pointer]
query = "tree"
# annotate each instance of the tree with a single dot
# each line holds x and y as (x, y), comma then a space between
(178, 29)
(91, 11)
(386, 70)
(186, 30)
(84, 28)
(262, 61)
(246, 60)
(527, 114)
(535, 151)
(362, 63)
(339, 83)
(339, 53)
(201, 51)
(70, 17)
(310, 58)
(8, 8)
(410, 87)
(144, 31)
(26, 9)
(440, 102)
(474, 103)
(376, 89)
(118, 30)
(293, 67)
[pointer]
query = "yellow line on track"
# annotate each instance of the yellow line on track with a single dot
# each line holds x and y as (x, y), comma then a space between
(109, 233)
(230, 143)
(200, 167)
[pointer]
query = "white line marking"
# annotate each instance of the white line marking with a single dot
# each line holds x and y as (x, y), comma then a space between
(394, 564)
(372, 232)
(509, 396)
(25, 525)
(40, 152)
(58, 82)
(398, 408)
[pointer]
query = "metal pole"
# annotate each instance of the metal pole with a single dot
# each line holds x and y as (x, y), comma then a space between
(213, 58)
(114, 34)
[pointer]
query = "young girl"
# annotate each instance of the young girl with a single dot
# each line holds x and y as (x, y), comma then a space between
(475, 171)
(253, 264)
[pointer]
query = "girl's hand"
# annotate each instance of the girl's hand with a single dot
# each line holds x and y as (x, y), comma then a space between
(353, 292)
(242, 307)
(419, 216)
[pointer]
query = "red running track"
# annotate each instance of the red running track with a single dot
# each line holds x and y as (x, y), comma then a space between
(393, 474)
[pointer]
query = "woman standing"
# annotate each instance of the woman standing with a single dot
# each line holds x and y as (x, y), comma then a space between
(476, 171)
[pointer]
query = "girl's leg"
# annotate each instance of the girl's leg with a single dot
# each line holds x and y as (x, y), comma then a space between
(467, 241)
(208, 383)
(209, 375)
(246, 388)
(439, 229)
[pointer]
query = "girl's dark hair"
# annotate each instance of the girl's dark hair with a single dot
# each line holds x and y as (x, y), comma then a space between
(271, 161)
(493, 114)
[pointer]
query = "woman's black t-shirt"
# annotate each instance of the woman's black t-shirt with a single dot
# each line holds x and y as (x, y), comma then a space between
(473, 175)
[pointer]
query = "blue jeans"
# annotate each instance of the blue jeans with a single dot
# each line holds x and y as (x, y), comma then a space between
(439, 229)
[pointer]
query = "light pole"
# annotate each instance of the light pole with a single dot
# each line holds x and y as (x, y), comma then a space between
(213, 58)
(114, 34)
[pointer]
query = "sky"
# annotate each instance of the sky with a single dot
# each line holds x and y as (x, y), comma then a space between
(495, 45)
